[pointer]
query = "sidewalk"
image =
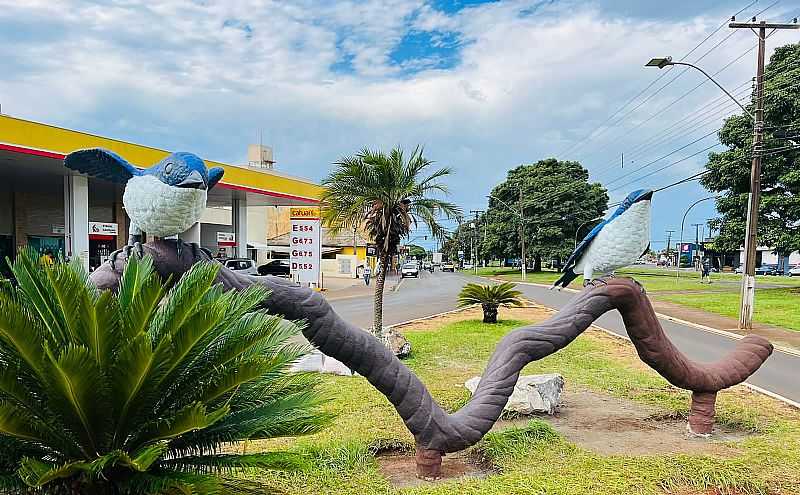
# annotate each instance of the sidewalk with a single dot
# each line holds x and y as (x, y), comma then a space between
(341, 288)
(777, 335)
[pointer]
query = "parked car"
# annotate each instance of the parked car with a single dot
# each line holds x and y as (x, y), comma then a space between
(409, 270)
(242, 265)
(794, 271)
(769, 269)
(448, 267)
(275, 267)
(467, 266)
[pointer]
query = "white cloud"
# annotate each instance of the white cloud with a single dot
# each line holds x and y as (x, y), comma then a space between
(208, 75)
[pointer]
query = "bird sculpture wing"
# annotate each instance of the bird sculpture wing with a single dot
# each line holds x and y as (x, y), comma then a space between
(576, 255)
(214, 176)
(102, 164)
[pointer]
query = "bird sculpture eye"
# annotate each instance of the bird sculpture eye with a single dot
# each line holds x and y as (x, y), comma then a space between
(168, 168)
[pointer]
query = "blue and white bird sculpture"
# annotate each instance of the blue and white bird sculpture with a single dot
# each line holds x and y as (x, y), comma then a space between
(163, 200)
(613, 243)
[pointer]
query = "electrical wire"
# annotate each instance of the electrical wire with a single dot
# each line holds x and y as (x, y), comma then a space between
(624, 131)
(631, 100)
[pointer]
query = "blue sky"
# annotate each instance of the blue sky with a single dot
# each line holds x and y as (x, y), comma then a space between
(484, 86)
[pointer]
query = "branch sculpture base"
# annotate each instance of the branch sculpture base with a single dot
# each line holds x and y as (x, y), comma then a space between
(437, 432)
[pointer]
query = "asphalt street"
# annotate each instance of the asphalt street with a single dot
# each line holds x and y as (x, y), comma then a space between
(437, 292)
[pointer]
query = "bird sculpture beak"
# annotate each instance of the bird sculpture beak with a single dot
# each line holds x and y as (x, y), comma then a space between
(194, 180)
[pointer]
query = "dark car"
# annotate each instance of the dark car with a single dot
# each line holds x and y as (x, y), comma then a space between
(275, 267)
(769, 269)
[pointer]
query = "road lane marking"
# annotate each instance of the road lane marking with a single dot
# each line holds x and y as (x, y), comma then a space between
(705, 328)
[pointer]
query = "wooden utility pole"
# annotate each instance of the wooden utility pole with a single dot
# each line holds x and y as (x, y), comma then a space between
(754, 198)
(522, 235)
(477, 235)
(669, 242)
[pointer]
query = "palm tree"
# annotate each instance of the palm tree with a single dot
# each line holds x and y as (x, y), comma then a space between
(490, 297)
(387, 194)
(135, 392)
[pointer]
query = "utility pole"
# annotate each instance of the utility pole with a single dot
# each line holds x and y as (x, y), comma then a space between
(754, 198)
(669, 242)
(476, 212)
(696, 244)
(522, 235)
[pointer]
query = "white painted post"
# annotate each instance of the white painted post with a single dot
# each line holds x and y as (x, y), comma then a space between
(76, 218)
(240, 226)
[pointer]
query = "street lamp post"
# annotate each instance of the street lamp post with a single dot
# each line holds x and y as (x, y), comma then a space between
(521, 216)
(748, 274)
(680, 244)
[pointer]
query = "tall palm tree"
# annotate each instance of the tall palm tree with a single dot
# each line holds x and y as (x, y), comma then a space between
(387, 194)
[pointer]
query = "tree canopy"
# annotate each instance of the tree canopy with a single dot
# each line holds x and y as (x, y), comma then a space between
(556, 198)
(729, 171)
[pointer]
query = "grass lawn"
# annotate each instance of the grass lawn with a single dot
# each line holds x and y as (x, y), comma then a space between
(535, 459)
(773, 306)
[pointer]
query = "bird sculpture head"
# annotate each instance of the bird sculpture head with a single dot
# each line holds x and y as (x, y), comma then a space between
(162, 200)
(638, 199)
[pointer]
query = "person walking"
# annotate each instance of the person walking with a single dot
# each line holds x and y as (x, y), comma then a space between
(367, 273)
(706, 274)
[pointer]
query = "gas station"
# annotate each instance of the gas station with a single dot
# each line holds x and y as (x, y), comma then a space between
(49, 208)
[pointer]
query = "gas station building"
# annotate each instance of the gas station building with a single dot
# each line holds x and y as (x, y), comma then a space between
(52, 209)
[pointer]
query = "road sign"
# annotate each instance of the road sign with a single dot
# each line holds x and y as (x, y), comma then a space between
(372, 250)
(304, 244)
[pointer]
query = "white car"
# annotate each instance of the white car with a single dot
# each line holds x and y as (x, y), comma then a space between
(468, 266)
(242, 265)
(409, 270)
(794, 271)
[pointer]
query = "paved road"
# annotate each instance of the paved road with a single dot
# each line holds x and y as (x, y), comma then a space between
(435, 293)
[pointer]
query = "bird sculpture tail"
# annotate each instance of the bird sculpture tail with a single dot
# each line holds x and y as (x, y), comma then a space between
(565, 279)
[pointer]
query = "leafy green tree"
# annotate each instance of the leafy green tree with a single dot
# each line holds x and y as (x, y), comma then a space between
(418, 252)
(135, 392)
(388, 194)
(729, 171)
(490, 297)
(556, 198)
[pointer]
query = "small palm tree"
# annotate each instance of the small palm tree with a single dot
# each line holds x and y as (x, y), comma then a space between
(135, 392)
(387, 194)
(490, 297)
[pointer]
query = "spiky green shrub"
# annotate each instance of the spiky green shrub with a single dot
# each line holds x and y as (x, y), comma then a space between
(137, 392)
(490, 297)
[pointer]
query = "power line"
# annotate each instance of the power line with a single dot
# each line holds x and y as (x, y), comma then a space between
(681, 73)
(665, 167)
(631, 100)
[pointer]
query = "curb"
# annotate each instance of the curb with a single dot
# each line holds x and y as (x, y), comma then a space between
(724, 333)
(423, 318)
(706, 328)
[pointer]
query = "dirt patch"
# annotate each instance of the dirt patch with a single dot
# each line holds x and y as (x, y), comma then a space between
(611, 426)
(530, 312)
(400, 469)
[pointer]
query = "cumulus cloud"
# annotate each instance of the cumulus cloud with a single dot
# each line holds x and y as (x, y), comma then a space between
(512, 81)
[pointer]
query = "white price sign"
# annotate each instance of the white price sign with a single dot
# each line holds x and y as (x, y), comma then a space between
(304, 244)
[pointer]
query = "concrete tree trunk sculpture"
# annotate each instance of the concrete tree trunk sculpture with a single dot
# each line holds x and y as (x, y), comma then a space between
(437, 432)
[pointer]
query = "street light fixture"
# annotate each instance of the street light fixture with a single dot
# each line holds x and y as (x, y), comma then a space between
(662, 62)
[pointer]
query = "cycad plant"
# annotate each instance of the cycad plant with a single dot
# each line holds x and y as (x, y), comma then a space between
(387, 194)
(490, 297)
(137, 392)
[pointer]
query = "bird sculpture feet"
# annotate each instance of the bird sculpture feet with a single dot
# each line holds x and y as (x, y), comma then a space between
(135, 248)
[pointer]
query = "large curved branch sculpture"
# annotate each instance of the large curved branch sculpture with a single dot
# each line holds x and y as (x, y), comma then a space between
(435, 431)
